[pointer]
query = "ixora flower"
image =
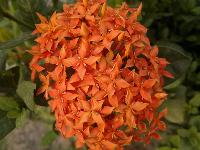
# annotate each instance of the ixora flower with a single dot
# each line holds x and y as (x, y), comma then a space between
(100, 75)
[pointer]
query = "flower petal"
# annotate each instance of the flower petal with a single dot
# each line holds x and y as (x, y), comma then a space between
(121, 83)
(113, 100)
(71, 61)
(81, 70)
(107, 110)
(149, 83)
(139, 106)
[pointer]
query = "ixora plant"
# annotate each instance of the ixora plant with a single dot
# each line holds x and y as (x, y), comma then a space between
(100, 75)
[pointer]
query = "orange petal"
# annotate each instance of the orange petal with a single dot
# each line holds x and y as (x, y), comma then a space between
(154, 51)
(107, 110)
(53, 19)
(103, 9)
(149, 83)
(163, 113)
(97, 50)
(85, 105)
(84, 30)
(99, 95)
(42, 18)
(81, 70)
(85, 88)
(91, 60)
(85, 3)
(62, 53)
(139, 106)
(130, 119)
(70, 87)
(42, 78)
(98, 119)
(81, 9)
(71, 61)
(96, 105)
(127, 49)
(160, 95)
(74, 78)
(73, 43)
(102, 64)
(95, 38)
(84, 118)
(168, 74)
(109, 56)
(121, 83)
(70, 96)
(94, 8)
(129, 97)
(121, 36)
(145, 94)
(138, 12)
(113, 34)
(113, 100)
(41, 90)
(82, 51)
(37, 67)
(107, 145)
(115, 72)
(80, 140)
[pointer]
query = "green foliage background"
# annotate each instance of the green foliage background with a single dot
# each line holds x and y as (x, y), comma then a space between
(174, 25)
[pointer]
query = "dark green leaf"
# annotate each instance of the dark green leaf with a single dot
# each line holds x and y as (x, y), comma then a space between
(176, 113)
(8, 103)
(196, 10)
(3, 56)
(13, 43)
(164, 148)
(26, 11)
(25, 90)
(175, 140)
(178, 58)
(6, 125)
(13, 114)
(195, 121)
(48, 138)
(22, 118)
(183, 133)
(195, 101)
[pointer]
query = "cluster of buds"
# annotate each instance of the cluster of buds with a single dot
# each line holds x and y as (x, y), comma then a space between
(100, 75)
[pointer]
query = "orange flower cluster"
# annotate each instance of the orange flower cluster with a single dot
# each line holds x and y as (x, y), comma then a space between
(100, 75)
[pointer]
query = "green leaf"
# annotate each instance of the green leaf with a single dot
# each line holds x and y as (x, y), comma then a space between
(22, 118)
(25, 90)
(115, 3)
(183, 133)
(13, 114)
(3, 57)
(48, 138)
(175, 84)
(15, 42)
(6, 125)
(176, 113)
(26, 11)
(178, 58)
(164, 148)
(8, 103)
(175, 140)
(195, 101)
(195, 121)
(23, 73)
(196, 10)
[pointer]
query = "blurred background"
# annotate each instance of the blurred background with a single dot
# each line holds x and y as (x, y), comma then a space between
(25, 122)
